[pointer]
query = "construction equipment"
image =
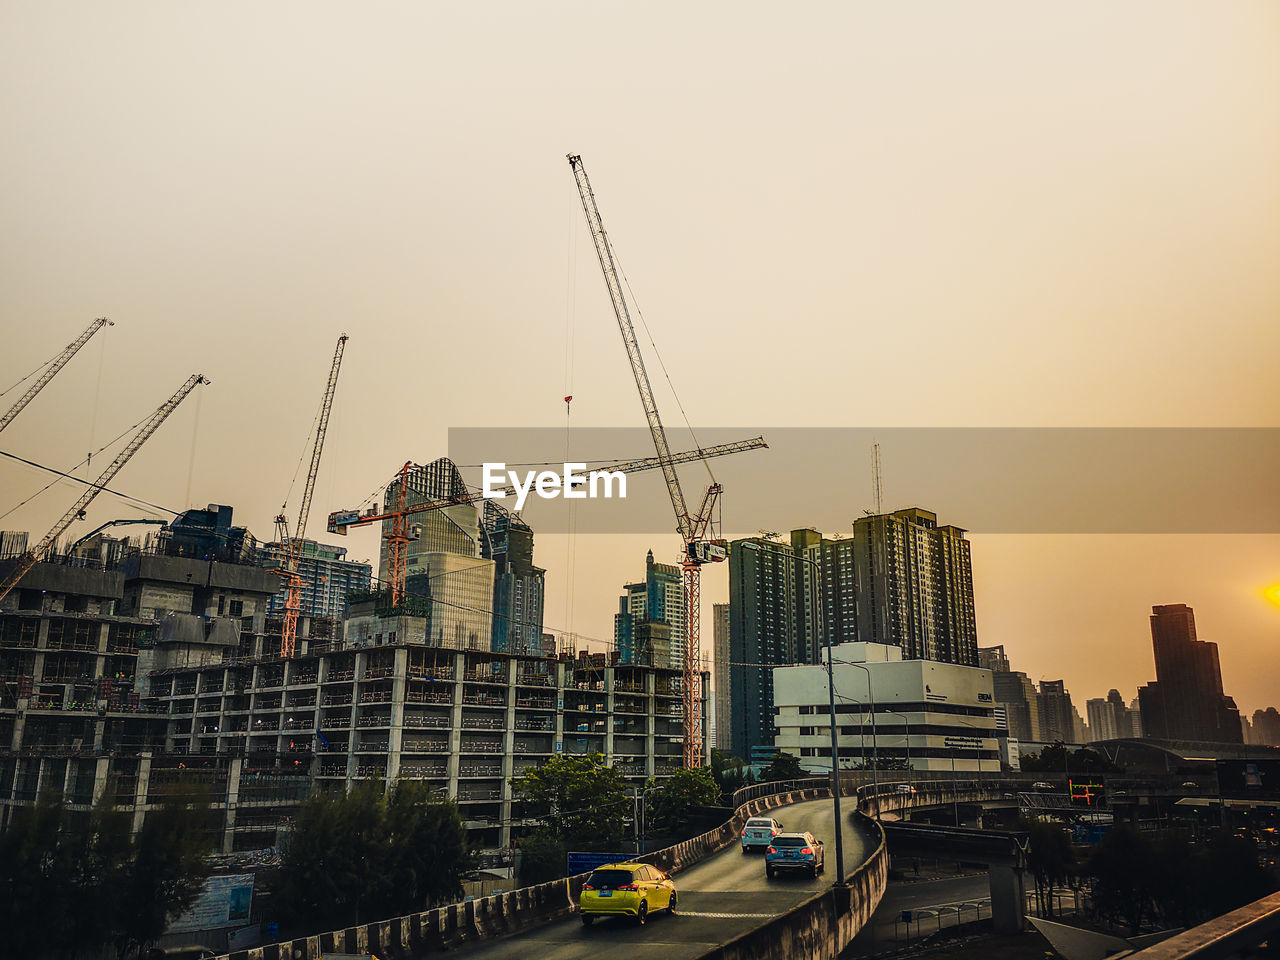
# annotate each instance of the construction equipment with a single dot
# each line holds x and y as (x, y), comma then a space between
(32, 557)
(398, 538)
(701, 546)
(56, 364)
(291, 546)
(114, 523)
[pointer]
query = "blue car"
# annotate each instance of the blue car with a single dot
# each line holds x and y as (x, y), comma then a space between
(759, 833)
(799, 852)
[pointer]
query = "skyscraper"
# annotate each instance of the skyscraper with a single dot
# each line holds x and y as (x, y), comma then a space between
(1014, 691)
(327, 577)
(519, 588)
(720, 675)
(774, 619)
(443, 558)
(1186, 701)
(658, 599)
(1058, 715)
(915, 586)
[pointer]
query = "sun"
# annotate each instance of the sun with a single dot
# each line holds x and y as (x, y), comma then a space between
(1272, 593)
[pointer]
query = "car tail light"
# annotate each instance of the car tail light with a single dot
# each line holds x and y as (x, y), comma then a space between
(587, 886)
(773, 849)
(807, 850)
(628, 886)
(744, 833)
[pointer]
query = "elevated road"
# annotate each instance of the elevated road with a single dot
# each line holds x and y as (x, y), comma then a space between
(725, 895)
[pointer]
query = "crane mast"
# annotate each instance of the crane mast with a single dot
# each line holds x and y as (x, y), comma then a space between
(51, 371)
(694, 530)
(604, 252)
(32, 557)
(291, 547)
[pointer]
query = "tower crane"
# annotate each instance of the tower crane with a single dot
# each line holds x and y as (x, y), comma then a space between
(291, 547)
(398, 538)
(695, 529)
(56, 364)
(32, 557)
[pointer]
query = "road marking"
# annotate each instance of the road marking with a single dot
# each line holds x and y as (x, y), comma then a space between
(724, 916)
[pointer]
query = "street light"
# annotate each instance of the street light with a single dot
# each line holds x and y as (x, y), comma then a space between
(835, 748)
(875, 755)
(906, 740)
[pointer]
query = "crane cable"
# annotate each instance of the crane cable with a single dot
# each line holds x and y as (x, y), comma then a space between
(570, 315)
(658, 354)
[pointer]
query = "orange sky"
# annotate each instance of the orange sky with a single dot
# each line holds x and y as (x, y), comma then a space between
(854, 214)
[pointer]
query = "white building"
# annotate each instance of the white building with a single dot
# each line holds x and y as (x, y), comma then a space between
(936, 716)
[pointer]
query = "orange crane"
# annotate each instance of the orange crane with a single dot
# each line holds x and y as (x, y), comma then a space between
(56, 364)
(291, 546)
(695, 529)
(398, 537)
(32, 557)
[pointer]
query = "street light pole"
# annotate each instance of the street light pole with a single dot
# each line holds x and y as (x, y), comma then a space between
(906, 740)
(875, 755)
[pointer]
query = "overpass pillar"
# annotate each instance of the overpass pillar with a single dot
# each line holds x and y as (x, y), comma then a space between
(1008, 898)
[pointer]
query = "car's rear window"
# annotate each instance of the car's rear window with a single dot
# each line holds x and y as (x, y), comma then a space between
(790, 842)
(609, 878)
(759, 823)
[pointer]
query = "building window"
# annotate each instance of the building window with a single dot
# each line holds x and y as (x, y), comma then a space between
(237, 608)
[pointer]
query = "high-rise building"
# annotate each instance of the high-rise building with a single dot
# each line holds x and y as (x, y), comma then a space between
(1102, 720)
(1014, 691)
(13, 543)
(327, 578)
(444, 558)
(519, 588)
(915, 586)
(1186, 701)
(723, 703)
(774, 620)
(1266, 727)
(1135, 717)
(658, 599)
(839, 591)
(1058, 716)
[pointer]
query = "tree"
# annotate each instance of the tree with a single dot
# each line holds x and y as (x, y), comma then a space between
(167, 872)
(580, 799)
(1123, 868)
(542, 857)
(429, 853)
(673, 801)
(730, 772)
(363, 856)
(1056, 758)
(1050, 859)
(72, 883)
(783, 766)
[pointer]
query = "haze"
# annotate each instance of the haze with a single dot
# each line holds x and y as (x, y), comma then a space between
(852, 214)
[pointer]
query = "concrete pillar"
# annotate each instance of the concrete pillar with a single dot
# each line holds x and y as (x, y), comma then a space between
(141, 790)
(233, 801)
(395, 736)
(1008, 898)
(101, 773)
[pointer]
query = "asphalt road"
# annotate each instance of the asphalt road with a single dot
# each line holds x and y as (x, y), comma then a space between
(720, 898)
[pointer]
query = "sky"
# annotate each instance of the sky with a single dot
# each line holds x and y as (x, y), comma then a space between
(991, 214)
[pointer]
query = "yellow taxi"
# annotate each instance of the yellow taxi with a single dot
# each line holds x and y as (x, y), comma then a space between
(626, 890)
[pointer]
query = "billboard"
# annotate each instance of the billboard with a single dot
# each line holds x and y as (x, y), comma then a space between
(224, 902)
(1086, 792)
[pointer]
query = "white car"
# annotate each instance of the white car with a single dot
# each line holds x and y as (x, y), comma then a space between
(759, 832)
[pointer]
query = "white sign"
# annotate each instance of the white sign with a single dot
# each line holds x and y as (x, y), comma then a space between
(224, 902)
(572, 484)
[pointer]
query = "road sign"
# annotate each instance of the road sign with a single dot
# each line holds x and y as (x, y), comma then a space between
(584, 861)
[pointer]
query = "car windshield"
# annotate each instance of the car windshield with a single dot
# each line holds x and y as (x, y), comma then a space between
(609, 878)
(790, 842)
(759, 823)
